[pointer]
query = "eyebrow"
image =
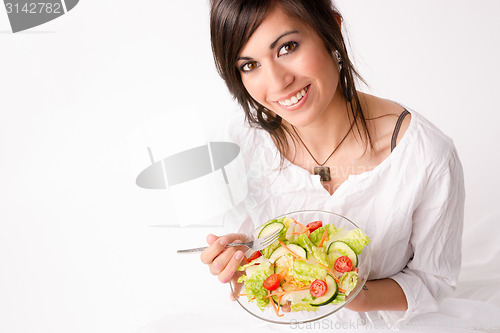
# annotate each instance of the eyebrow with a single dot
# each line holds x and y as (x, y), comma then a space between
(273, 44)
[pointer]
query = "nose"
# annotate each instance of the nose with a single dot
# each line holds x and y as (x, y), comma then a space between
(278, 77)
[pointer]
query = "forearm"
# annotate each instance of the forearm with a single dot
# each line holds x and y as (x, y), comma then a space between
(384, 294)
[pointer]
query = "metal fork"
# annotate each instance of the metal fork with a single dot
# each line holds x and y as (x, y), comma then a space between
(252, 243)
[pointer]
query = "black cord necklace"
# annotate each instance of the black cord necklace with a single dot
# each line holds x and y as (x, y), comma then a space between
(321, 170)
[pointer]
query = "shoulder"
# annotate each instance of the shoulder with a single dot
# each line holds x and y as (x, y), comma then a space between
(425, 140)
(381, 117)
(434, 146)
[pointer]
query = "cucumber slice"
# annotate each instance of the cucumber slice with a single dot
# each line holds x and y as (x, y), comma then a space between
(281, 251)
(270, 228)
(329, 296)
(344, 250)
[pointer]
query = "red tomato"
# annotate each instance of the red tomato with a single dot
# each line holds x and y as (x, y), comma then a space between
(272, 282)
(314, 225)
(343, 264)
(254, 256)
(318, 288)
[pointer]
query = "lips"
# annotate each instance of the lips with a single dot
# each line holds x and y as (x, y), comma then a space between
(294, 100)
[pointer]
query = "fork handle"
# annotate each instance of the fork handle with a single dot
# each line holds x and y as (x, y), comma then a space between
(201, 249)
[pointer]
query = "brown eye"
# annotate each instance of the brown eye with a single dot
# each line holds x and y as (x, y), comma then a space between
(249, 66)
(287, 48)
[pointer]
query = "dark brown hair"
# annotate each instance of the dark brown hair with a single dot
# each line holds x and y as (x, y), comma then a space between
(232, 23)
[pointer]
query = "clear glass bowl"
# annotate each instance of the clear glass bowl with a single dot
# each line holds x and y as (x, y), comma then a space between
(364, 266)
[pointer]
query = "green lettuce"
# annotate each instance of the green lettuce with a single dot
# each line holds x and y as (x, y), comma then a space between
(356, 239)
(305, 272)
(348, 281)
(303, 307)
(319, 254)
(256, 275)
(340, 298)
(305, 242)
(316, 235)
(332, 230)
(263, 264)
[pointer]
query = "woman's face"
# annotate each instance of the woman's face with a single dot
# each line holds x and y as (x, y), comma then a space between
(286, 68)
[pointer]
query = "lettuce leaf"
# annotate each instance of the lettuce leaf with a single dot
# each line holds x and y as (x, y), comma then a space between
(316, 235)
(305, 242)
(332, 230)
(319, 254)
(348, 281)
(305, 272)
(256, 275)
(356, 239)
(339, 299)
(303, 307)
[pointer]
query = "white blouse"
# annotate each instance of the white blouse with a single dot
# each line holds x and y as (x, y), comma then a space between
(411, 206)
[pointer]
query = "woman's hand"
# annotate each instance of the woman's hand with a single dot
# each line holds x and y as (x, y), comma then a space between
(223, 261)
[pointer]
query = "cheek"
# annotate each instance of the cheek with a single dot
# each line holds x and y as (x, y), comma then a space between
(254, 89)
(321, 66)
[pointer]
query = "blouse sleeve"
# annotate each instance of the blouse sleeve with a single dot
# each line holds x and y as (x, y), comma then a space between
(432, 273)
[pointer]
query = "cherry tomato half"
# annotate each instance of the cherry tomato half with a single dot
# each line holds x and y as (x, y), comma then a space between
(254, 256)
(272, 282)
(343, 264)
(314, 225)
(318, 288)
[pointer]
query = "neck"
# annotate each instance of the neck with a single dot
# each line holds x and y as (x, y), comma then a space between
(326, 133)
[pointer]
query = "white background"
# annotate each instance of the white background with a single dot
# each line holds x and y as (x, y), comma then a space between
(80, 250)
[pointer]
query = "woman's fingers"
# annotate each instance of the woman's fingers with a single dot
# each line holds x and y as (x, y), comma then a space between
(220, 262)
(231, 266)
(217, 245)
(211, 238)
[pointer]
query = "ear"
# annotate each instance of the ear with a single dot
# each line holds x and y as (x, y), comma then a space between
(338, 18)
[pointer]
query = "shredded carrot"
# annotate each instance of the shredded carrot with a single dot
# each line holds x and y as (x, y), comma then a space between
(276, 309)
(278, 293)
(304, 229)
(341, 290)
(279, 300)
(328, 268)
(323, 238)
(286, 248)
(283, 273)
(281, 293)
(303, 226)
(239, 295)
(300, 288)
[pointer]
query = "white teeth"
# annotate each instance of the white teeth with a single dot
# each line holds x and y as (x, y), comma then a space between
(295, 98)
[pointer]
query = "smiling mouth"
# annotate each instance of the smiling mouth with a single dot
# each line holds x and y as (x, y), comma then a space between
(294, 99)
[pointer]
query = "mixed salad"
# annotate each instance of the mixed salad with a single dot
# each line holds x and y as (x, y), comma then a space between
(307, 267)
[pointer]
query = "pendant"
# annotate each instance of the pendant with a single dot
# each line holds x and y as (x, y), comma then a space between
(323, 172)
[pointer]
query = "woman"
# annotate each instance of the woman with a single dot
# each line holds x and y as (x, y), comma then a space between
(341, 150)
